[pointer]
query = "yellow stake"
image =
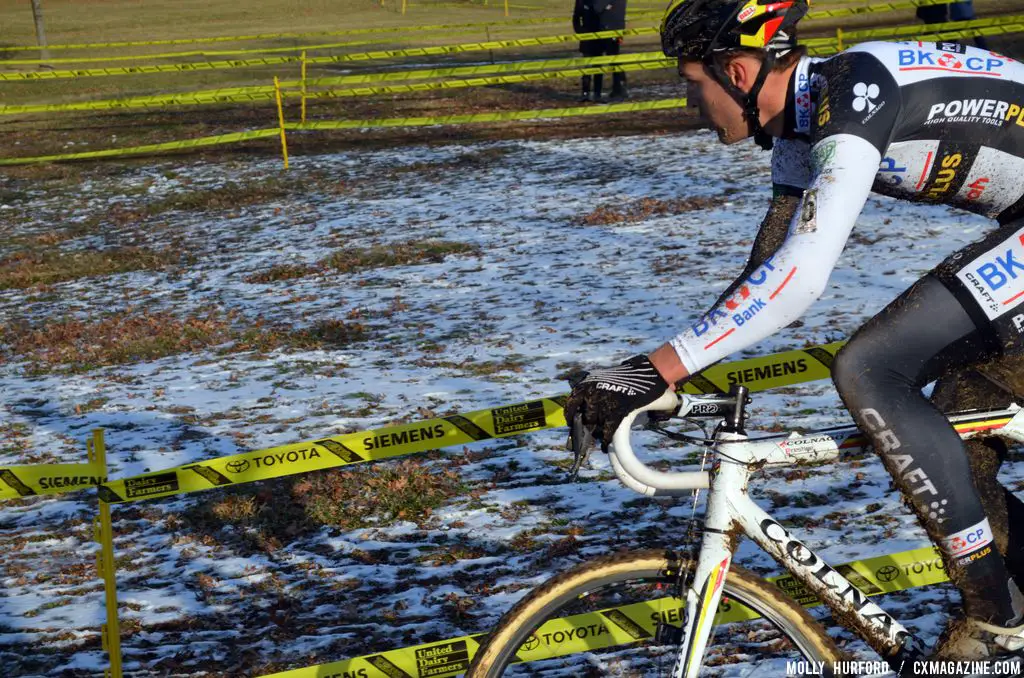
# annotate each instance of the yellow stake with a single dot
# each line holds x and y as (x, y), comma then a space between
(303, 85)
(104, 533)
(280, 120)
(403, 7)
(839, 38)
(506, 7)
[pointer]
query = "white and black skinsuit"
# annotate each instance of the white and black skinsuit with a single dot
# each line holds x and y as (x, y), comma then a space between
(925, 122)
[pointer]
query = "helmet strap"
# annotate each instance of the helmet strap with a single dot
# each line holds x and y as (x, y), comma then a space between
(748, 100)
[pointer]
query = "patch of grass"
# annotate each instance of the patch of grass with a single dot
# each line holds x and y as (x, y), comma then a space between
(645, 208)
(117, 339)
(322, 334)
(77, 345)
(449, 555)
(50, 605)
(227, 198)
(282, 272)
(230, 196)
(353, 259)
(476, 368)
(406, 490)
(262, 520)
(278, 511)
(32, 267)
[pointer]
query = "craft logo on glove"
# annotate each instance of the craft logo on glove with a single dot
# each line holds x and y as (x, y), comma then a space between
(605, 386)
(606, 396)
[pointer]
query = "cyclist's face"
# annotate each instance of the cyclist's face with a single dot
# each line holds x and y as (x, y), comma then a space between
(717, 107)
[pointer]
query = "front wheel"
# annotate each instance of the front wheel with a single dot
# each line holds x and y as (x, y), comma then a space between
(599, 619)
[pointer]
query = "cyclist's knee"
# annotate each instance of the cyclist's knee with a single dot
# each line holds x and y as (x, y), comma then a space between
(855, 366)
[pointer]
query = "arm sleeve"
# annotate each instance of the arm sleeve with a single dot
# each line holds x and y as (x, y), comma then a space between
(858, 105)
(784, 286)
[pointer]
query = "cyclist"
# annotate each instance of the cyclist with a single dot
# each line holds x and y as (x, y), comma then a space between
(925, 122)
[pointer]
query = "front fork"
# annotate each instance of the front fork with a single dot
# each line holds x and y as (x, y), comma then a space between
(705, 588)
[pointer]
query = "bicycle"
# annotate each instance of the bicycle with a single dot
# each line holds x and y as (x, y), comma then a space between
(608, 597)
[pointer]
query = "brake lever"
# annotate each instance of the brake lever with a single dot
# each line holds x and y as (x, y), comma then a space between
(581, 441)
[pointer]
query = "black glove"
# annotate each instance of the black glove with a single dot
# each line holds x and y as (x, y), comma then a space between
(604, 397)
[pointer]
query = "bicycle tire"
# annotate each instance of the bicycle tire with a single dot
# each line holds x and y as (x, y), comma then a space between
(554, 598)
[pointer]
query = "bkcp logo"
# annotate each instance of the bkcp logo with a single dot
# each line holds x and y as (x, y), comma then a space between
(863, 96)
(237, 466)
(921, 60)
(887, 573)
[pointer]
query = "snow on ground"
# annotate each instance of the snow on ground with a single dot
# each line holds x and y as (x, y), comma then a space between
(544, 293)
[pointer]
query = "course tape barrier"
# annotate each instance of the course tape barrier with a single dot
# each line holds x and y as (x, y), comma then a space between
(486, 25)
(38, 479)
(223, 96)
(480, 82)
(231, 138)
(857, 36)
(195, 53)
(945, 31)
(482, 69)
(821, 47)
(340, 450)
(882, 7)
(622, 625)
(213, 53)
(767, 372)
(342, 58)
(919, 30)
(474, 118)
(266, 92)
(535, 114)
(789, 367)
(814, 14)
(652, 60)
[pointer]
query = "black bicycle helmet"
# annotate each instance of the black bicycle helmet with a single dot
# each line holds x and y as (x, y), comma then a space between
(698, 29)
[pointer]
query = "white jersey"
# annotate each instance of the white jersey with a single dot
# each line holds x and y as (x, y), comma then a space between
(926, 122)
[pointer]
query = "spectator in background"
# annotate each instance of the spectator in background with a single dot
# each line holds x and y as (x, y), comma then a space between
(591, 16)
(954, 11)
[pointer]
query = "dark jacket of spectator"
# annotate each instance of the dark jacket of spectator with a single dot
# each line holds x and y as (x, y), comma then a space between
(591, 16)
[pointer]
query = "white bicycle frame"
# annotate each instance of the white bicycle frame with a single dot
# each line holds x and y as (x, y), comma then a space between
(730, 511)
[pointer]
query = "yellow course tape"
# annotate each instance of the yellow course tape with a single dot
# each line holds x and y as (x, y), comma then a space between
(234, 137)
(481, 82)
(620, 625)
(225, 52)
(536, 114)
(916, 30)
(29, 481)
(481, 69)
(882, 7)
(789, 367)
(814, 14)
(266, 92)
(194, 53)
(825, 48)
(925, 32)
(505, 116)
(359, 56)
(767, 372)
(353, 31)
